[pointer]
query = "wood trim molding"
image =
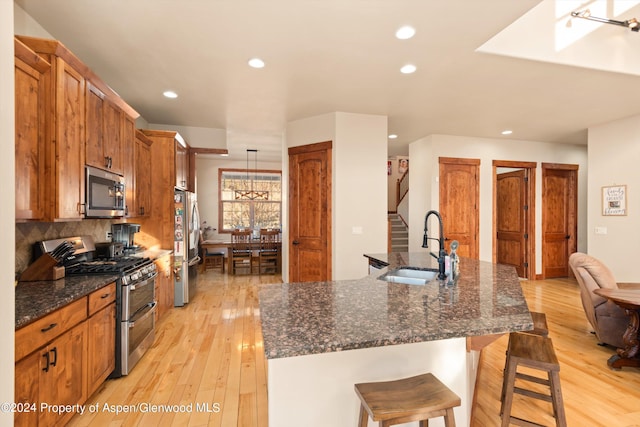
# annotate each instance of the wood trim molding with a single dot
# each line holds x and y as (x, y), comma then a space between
(319, 146)
(514, 164)
(561, 166)
(197, 150)
(458, 161)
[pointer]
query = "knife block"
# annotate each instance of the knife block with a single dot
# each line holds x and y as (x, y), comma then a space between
(44, 268)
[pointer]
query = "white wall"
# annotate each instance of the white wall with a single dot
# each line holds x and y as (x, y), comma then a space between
(427, 150)
(423, 164)
(7, 211)
(614, 154)
(359, 190)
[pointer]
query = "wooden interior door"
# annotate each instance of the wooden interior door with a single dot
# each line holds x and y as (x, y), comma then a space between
(511, 219)
(459, 197)
(310, 213)
(559, 221)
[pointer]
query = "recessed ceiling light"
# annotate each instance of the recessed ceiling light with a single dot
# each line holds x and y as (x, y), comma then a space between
(170, 94)
(507, 132)
(256, 63)
(393, 136)
(405, 32)
(224, 155)
(408, 69)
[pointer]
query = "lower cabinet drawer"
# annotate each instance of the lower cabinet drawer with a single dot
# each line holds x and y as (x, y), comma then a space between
(43, 330)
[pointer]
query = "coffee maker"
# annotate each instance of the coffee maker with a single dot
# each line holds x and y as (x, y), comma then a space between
(123, 233)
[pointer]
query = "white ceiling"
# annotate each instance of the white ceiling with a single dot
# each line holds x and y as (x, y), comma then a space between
(341, 55)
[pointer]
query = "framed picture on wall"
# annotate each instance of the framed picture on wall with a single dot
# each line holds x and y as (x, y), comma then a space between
(614, 200)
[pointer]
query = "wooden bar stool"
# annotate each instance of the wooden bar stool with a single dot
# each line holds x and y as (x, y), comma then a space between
(410, 399)
(539, 328)
(534, 352)
(539, 324)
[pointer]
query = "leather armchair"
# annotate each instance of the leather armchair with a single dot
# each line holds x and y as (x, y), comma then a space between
(608, 320)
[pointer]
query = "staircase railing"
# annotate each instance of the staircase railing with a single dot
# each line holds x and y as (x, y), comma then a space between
(402, 187)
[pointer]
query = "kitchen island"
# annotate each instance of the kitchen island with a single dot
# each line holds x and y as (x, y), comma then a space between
(321, 338)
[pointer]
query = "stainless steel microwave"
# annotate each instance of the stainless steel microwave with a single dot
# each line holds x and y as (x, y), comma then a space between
(105, 193)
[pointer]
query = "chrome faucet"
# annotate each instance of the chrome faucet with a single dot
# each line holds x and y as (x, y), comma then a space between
(442, 253)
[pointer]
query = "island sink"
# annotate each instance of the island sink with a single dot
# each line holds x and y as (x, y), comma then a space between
(409, 276)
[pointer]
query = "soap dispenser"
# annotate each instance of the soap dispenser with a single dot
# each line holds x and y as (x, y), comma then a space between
(455, 260)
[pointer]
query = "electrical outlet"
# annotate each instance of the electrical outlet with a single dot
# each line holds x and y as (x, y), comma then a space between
(107, 236)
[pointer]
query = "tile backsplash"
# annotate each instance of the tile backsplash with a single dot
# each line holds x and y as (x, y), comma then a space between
(29, 233)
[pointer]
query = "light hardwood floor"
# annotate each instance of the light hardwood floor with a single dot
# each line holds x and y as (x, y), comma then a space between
(210, 353)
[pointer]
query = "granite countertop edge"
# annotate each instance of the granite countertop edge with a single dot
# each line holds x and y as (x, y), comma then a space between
(293, 334)
(34, 300)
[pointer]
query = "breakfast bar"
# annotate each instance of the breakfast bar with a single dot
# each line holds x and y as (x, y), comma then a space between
(321, 338)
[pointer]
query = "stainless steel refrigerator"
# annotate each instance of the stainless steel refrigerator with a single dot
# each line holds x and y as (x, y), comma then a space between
(185, 246)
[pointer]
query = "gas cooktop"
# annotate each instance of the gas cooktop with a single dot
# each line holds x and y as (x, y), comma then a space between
(106, 265)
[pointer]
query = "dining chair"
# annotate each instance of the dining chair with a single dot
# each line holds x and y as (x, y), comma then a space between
(269, 254)
(210, 257)
(241, 252)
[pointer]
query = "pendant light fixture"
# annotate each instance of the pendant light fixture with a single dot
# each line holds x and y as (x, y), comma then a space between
(252, 194)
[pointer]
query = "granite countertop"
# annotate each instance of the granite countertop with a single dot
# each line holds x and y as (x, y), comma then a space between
(37, 299)
(322, 317)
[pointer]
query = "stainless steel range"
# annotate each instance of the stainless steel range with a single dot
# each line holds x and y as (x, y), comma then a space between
(135, 295)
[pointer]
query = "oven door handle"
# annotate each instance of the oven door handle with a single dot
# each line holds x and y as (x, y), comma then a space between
(143, 283)
(150, 312)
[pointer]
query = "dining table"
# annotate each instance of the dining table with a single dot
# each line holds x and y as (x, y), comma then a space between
(629, 300)
(226, 245)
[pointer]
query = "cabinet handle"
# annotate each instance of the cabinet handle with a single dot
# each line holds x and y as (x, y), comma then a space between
(55, 356)
(48, 328)
(81, 208)
(106, 162)
(110, 162)
(105, 296)
(46, 356)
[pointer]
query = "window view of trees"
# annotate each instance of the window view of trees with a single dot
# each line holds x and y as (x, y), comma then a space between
(250, 199)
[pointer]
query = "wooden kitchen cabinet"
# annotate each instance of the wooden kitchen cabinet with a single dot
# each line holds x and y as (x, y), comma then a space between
(65, 108)
(164, 286)
(143, 174)
(129, 165)
(77, 105)
(31, 149)
(103, 132)
(182, 166)
(101, 340)
(55, 372)
(163, 160)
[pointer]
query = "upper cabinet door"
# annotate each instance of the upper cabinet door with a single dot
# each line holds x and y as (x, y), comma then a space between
(95, 102)
(69, 141)
(104, 132)
(30, 147)
(182, 166)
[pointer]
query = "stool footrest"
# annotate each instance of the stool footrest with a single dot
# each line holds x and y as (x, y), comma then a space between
(532, 379)
(520, 422)
(533, 394)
